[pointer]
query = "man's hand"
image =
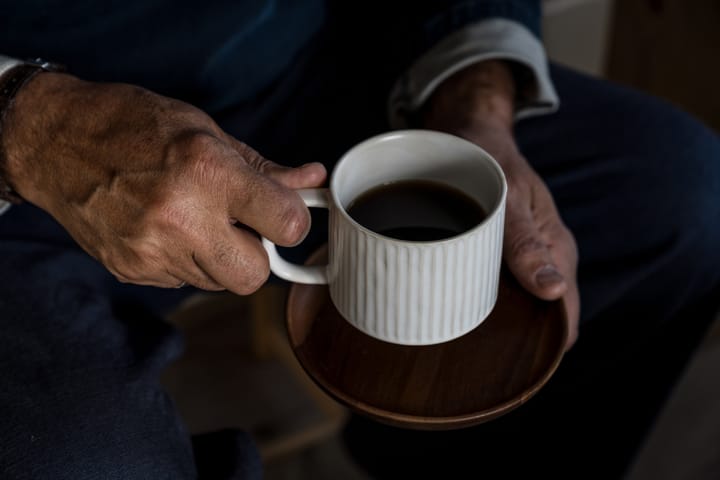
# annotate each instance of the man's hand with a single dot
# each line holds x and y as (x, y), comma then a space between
(477, 104)
(150, 186)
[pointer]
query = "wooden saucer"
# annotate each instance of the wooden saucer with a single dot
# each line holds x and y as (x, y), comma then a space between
(472, 379)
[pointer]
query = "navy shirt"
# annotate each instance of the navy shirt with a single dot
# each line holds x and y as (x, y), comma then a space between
(197, 50)
(206, 52)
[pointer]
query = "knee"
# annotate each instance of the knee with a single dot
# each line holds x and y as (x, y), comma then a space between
(679, 169)
(664, 188)
(57, 434)
(682, 177)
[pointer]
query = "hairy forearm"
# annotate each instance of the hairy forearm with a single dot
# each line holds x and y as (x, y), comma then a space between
(481, 95)
(40, 110)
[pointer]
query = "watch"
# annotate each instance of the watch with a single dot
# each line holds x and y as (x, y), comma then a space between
(12, 79)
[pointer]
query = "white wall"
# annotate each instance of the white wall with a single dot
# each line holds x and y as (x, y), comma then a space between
(576, 32)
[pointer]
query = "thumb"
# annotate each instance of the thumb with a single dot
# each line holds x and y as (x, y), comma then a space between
(529, 258)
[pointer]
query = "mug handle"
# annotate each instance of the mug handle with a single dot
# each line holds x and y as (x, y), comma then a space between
(312, 275)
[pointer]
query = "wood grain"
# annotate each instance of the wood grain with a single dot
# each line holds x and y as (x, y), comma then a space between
(486, 373)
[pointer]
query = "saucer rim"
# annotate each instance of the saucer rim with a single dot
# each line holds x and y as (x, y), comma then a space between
(421, 422)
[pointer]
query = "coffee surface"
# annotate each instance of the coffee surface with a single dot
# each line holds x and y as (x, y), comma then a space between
(416, 210)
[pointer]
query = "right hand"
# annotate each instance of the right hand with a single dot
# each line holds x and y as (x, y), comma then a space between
(477, 103)
(151, 186)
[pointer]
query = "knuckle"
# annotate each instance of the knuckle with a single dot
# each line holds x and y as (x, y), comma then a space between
(163, 215)
(196, 152)
(170, 214)
(206, 170)
(517, 187)
(196, 144)
(140, 264)
(249, 270)
(517, 200)
(252, 158)
(226, 257)
(152, 264)
(514, 189)
(526, 245)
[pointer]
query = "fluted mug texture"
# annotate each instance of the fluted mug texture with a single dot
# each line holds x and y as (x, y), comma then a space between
(401, 291)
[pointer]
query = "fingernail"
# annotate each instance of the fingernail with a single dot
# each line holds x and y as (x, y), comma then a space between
(548, 276)
(312, 166)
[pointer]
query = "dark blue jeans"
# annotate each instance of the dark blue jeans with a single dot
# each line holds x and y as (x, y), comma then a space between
(637, 181)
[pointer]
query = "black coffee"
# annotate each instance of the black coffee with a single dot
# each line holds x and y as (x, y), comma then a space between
(416, 210)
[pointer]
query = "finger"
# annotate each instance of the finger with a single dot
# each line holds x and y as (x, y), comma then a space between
(564, 252)
(165, 270)
(271, 209)
(277, 215)
(193, 274)
(162, 283)
(308, 175)
(236, 260)
(572, 307)
(160, 280)
(528, 256)
(129, 267)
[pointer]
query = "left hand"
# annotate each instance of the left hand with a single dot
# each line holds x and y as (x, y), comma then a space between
(478, 104)
(150, 186)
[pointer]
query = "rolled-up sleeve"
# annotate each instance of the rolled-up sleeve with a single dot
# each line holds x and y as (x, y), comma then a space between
(461, 33)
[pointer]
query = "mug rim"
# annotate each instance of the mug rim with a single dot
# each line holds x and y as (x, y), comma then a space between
(495, 211)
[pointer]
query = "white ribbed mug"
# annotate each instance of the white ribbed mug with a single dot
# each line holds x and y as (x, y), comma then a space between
(405, 292)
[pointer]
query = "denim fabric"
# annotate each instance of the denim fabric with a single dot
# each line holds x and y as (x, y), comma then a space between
(79, 367)
(79, 371)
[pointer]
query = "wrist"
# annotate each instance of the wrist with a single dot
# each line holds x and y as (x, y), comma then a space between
(481, 96)
(14, 76)
(29, 122)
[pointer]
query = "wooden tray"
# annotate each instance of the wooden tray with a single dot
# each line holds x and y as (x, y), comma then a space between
(484, 374)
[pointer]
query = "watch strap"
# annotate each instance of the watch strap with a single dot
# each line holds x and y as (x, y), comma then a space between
(10, 83)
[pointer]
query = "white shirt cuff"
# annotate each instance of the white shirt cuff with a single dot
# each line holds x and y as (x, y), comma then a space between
(496, 38)
(6, 63)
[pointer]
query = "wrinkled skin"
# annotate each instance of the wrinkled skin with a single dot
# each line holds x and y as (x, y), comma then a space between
(478, 104)
(153, 188)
